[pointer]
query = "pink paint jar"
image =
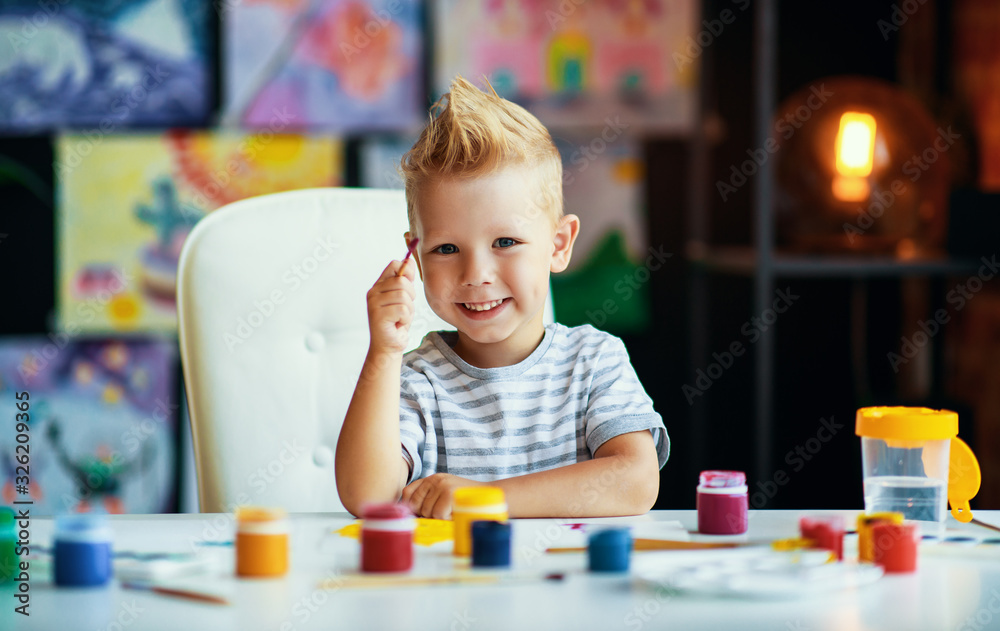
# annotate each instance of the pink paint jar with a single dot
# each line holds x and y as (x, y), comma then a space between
(723, 503)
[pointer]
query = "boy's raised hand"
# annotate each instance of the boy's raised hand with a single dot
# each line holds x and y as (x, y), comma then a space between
(390, 308)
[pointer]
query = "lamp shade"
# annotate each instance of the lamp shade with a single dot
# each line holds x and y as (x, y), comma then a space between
(860, 166)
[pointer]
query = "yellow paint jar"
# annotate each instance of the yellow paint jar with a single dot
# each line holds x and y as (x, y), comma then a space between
(261, 542)
(474, 503)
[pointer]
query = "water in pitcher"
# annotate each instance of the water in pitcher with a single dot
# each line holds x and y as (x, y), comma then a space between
(918, 498)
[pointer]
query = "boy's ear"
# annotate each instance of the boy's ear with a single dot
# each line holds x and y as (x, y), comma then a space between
(416, 258)
(563, 240)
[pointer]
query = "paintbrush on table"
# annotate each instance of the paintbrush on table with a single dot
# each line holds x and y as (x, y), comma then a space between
(177, 592)
(984, 524)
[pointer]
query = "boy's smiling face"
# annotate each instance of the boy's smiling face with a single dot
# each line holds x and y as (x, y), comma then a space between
(485, 253)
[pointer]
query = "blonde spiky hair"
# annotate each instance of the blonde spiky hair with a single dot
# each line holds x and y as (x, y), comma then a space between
(472, 133)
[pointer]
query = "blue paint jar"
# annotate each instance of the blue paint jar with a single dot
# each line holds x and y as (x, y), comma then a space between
(490, 544)
(609, 550)
(82, 551)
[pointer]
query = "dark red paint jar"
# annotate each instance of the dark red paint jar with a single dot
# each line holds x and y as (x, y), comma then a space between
(723, 503)
(387, 538)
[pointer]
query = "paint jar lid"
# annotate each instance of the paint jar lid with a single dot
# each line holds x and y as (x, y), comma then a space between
(7, 525)
(609, 550)
(722, 479)
(259, 514)
(490, 531)
(387, 510)
(82, 529)
(257, 520)
(479, 496)
(611, 537)
(836, 522)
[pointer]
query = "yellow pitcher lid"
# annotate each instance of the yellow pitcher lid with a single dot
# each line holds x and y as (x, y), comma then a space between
(964, 478)
(906, 423)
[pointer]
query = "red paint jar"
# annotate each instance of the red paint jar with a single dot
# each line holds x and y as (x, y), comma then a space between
(387, 538)
(723, 503)
(825, 532)
(895, 546)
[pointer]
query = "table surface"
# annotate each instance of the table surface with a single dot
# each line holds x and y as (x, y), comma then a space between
(958, 591)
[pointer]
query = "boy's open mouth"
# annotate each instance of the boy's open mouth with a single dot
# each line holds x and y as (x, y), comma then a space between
(483, 306)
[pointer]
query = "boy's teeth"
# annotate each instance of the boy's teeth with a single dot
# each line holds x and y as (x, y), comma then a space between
(484, 306)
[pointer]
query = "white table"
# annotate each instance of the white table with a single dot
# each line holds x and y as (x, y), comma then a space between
(960, 592)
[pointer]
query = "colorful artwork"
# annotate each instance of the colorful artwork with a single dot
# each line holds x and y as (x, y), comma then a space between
(109, 66)
(602, 184)
(573, 63)
(127, 203)
(343, 65)
(102, 422)
(380, 159)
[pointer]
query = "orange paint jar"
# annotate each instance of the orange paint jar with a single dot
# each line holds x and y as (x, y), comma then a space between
(261, 542)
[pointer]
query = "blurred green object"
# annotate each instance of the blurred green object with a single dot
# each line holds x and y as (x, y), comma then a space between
(8, 537)
(608, 291)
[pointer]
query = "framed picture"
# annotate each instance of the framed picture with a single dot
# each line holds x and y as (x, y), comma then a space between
(104, 67)
(102, 424)
(338, 65)
(126, 204)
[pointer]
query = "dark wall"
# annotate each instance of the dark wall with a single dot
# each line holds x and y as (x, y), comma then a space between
(818, 386)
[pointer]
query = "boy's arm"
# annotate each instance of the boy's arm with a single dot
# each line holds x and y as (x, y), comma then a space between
(623, 478)
(369, 464)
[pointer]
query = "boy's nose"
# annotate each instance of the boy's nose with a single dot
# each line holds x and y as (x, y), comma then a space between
(478, 270)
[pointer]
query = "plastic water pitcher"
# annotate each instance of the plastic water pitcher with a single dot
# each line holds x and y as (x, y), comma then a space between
(913, 463)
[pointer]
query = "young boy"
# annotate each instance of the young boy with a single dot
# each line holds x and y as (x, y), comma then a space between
(555, 416)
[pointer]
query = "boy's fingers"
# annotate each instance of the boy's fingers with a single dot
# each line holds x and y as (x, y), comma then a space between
(408, 269)
(395, 295)
(411, 490)
(389, 271)
(442, 507)
(393, 314)
(397, 268)
(429, 501)
(394, 283)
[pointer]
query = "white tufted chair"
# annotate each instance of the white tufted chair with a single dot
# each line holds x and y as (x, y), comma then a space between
(273, 333)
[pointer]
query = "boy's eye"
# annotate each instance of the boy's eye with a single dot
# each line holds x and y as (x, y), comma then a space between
(505, 242)
(447, 248)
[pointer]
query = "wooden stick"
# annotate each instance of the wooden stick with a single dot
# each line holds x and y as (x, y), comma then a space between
(387, 581)
(640, 545)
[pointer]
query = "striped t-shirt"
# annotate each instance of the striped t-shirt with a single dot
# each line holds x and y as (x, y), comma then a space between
(573, 393)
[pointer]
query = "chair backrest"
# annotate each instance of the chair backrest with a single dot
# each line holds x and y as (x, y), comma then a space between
(273, 328)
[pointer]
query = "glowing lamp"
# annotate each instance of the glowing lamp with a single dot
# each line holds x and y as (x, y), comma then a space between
(862, 169)
(855, 154)
(855, 146)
